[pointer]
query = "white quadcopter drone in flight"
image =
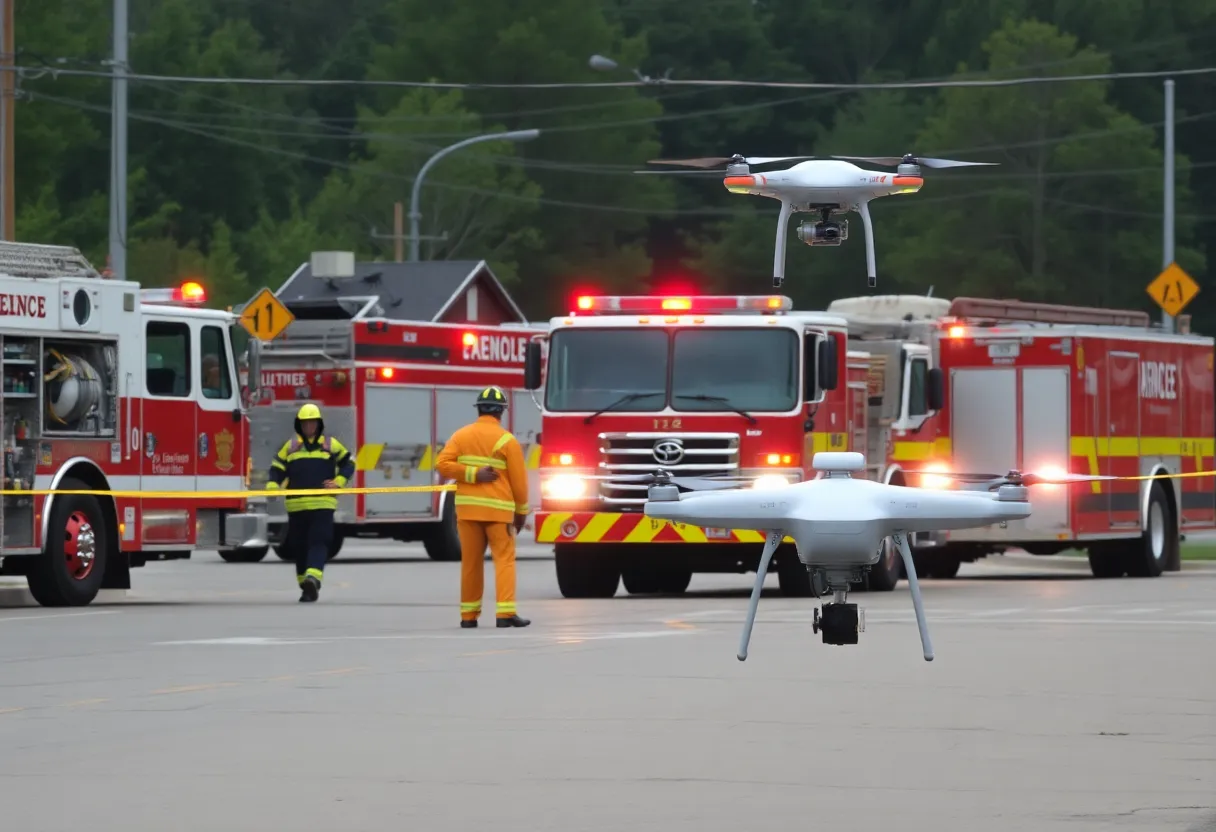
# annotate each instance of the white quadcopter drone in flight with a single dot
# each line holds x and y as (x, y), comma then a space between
(839, 524)
(823, 186)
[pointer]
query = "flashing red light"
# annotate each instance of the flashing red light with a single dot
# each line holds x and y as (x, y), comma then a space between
(191, 291)
(386, 372)
(957, 332)
(701, 303)
(469, 339)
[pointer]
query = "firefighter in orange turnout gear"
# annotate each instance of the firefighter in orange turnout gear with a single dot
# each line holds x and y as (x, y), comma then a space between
(491, 499)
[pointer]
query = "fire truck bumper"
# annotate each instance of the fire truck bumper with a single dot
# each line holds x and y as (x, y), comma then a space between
(625, 528)
(250, 530)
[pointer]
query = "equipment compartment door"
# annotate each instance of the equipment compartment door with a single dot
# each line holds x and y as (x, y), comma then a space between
(859, 408)
(1046, 444)
(397, 432)
(454, 408)
(983, 420)
(1122, 452)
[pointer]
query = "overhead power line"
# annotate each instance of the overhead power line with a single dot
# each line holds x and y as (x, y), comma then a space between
(40, 71)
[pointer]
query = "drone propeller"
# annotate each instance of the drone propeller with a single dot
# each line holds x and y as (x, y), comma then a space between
(716, 161)
(1015, 477)
(909, 159)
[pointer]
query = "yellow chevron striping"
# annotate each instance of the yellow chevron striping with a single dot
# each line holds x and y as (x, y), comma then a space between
(595, 528)
(427, 459)
(644, 530)
(368, 456)
(533, 460)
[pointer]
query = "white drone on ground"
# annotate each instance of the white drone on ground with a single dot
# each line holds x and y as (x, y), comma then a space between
(823, 186)
(839, 524)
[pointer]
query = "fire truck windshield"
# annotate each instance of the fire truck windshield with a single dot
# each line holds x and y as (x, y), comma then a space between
(711, 370)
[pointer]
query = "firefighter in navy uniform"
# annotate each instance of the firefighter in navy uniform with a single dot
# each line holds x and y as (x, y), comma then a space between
(490, 509)
(310, 460)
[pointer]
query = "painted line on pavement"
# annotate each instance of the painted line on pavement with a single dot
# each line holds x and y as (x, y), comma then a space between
(56, 615)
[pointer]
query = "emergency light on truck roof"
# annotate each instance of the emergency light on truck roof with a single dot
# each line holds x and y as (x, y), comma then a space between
(692, 303)
(191, 292)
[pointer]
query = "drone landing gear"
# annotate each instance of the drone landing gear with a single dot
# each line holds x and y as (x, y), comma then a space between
(840, 622)
(772, 541)
(871, 267)
(905, 551)
(783, 221)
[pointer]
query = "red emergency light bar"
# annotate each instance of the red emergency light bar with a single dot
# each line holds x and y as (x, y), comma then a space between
(189, 293)
(684, 303)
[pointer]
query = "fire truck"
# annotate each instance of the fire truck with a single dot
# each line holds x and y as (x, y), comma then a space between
(735, 385)
(395, 355)
(110, 387)
(1037, 386)
(748, 387)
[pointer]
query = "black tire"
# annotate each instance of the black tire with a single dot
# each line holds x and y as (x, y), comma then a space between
(245, 555)
(675, 581)
(1104, 562)
(443, 543)
(586, 571)
(77, 529)
(884, 575)
(1146, 557)
(793, 578)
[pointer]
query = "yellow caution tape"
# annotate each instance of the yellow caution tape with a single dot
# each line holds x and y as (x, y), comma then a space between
(233, 495)
(396, 489)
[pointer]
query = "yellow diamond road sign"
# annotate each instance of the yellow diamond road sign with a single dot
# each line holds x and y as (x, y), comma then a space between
(1173, 289)
(266, 317)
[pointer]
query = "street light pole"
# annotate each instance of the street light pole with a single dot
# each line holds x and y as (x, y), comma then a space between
(118, 145)
(415, 216)
(1167, 237)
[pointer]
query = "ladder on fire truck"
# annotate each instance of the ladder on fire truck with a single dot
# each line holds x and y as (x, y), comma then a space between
(31, 261)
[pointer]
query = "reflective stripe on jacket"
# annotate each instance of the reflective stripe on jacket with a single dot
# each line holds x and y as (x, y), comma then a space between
(485, 443)
(303, 464)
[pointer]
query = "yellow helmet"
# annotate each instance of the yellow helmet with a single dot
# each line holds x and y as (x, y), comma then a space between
(309, 411)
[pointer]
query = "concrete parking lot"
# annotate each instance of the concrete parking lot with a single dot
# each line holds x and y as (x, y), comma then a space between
(207, 698)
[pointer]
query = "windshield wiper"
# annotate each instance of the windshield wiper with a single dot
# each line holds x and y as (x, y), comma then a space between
(625, 399)
(722, 400)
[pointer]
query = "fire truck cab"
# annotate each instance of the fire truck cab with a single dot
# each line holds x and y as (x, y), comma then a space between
(702, 385)
(107, 387)
(395, 355)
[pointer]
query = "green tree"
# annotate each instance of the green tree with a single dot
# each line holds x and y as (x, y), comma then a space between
(1041, 225)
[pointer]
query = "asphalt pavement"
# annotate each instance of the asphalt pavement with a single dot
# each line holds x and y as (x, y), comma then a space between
(206, 698)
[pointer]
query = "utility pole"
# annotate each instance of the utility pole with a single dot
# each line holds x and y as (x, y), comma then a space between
(398, 231)
(8, 97)
(1167, 238)
(118, 144)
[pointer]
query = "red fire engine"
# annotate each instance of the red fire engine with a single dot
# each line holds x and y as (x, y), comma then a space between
(109, 387)
(395, 355)
(1043, 386)
(697, 385)
(612, 403)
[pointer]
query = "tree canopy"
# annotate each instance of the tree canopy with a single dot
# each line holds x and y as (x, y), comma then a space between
(237, 183)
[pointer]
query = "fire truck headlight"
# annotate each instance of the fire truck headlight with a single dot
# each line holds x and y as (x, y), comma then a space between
(939, 477)
(565, 487)
(770, 481)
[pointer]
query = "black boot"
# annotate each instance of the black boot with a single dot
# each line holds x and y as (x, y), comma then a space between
(310, 589)
(512, 621)
(468, 624)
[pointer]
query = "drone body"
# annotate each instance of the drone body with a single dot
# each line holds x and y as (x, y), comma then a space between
(839, 524)
(824, 186)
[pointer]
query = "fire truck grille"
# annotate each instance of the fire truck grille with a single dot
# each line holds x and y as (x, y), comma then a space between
(687, 454)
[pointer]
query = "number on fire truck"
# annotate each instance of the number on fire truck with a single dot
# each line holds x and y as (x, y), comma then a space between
(266, 317)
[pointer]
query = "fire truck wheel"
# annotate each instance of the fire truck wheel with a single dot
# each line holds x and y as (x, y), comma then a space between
(944, 565)
(245, 555)
(1145, 558)
(443, 542)
(884, 575)
(666, 581)
(793, 578)
(586, 571)
(1106, 561)
(69, 573)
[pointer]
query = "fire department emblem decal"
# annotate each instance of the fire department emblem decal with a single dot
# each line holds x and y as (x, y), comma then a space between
(149, 445)
(225, 442)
